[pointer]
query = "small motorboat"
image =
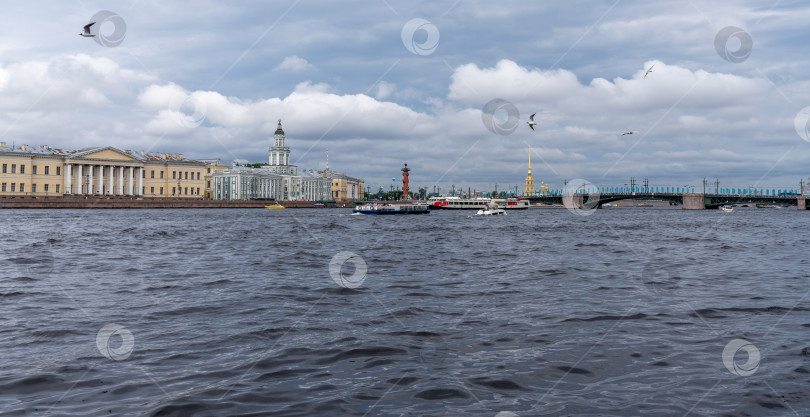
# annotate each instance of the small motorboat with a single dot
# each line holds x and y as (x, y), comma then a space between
(491, 210)
(275, 206)
(727, 208)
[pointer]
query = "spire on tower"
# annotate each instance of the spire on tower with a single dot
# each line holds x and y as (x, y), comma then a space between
(529, 190)
(530, 159)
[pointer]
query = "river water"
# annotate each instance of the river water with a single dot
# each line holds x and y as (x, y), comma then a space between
(637, 311)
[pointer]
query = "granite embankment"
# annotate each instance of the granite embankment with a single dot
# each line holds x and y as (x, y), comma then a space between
(148, 203)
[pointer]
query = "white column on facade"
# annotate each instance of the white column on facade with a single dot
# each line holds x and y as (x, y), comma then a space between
(68, 180)
(90, 169)
(131, 184)
(139, 191)
(110, 182)
(101, 179)
(120, 181)
(79, 178)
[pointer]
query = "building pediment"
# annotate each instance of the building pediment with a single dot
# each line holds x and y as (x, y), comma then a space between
(109, 153)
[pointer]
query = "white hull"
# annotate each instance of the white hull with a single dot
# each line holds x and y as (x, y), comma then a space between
(456, 203)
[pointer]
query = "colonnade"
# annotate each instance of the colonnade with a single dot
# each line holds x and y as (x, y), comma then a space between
(103, 179)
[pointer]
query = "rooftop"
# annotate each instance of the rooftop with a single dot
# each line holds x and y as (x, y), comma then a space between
(47, 150)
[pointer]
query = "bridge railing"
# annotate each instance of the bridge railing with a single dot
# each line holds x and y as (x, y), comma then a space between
(630, 191)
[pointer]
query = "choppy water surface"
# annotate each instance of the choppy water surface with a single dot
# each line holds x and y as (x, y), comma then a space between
(541, 312)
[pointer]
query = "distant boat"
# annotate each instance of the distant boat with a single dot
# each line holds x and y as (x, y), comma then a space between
(607, 205)
(275, 206)
(491, 210)
(377, 208)
(727, 208)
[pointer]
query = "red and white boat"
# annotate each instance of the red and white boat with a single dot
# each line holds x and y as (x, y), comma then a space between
(477, 203)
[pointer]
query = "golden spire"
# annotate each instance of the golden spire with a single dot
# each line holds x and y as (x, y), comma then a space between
(530, 159)
(529, 190)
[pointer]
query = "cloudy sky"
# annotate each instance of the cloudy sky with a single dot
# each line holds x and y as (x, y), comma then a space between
(382, 83)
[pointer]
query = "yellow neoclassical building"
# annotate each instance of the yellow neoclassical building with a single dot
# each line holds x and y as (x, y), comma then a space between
(43, 171)
(344, 187)
(212, 166)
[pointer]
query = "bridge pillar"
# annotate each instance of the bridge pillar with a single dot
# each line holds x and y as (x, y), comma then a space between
(573, 201)
(694, 201)
(800, 203)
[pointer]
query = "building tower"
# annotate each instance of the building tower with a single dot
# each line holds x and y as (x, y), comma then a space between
(280, 154)
(529, 180)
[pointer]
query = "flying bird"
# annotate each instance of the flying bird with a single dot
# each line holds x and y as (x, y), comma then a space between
(649, 71)
(86, 33)
(531, 121)
(627, 133)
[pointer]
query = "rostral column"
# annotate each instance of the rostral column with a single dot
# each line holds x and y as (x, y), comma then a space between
(405, 172)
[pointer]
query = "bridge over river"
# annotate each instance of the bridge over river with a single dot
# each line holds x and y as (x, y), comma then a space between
(593, 197)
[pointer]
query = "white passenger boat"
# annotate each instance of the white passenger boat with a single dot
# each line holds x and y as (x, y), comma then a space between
(727, 208)
(477, 203)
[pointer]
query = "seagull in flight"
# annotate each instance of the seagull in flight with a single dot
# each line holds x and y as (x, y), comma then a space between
(648, 71)
(627, 133)
(86, 33)
(531, 121)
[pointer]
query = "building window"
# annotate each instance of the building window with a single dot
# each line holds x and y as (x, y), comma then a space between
(33, 188)
(143, 173)
(5, 169)
(22, 187)
(22, 169)
(161, 176)
(173, 191)
(3, 189)
(209, 184)
(58, 172)
(161, 190)
(13, 168)
(198, 190)
(57, 185)
(46, 187)
(174, 176)
(152, 190)
(186, 174)
(143, 189)
(186, 191)
(152, 174)
(34, 170)
(209, 170)
(13, 187)
(198, 176)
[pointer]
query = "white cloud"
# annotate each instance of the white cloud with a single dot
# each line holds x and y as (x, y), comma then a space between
(384, 90)
(295, 64)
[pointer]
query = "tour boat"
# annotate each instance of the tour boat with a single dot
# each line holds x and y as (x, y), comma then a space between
(477, 203)
(491, 210)
(275, 206)
(379, 208)
(727, 209)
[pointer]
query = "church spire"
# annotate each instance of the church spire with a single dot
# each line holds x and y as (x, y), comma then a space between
(530, 159)
(529, 190)
(279, 130)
